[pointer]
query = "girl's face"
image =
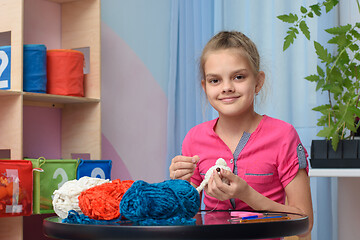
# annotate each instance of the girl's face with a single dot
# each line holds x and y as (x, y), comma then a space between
(230, 83)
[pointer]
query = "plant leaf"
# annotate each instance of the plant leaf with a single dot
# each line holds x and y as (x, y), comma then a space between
(332, 88)
(357, 56)
(289, 39)
(330, 4)
(305, 29)
(350, 123)
(320, 71)
(339, 30)
(354, 110)
(348, 83)
(322, 121)
(316, 9)
(335, 141)
(322, 107)
(325, 132)
(320, 84)
(312, 78)
(291, 18)
(322, 52)
(354, 47)
(344, 59)
(355, 33)
(340, 40)
(303, 10)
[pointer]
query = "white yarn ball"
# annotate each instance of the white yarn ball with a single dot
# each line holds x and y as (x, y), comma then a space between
(66, 197)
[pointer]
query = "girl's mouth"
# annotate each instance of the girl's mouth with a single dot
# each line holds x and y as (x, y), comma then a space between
(228, 99)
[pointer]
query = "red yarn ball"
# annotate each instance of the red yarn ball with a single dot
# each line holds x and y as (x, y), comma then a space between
(102, 202)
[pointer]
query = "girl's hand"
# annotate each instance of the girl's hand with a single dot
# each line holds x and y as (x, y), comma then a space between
(224, 190)
(183, 167)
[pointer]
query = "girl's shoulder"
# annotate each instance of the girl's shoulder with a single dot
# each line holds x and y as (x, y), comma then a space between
(277, 125)
(199, 133)
(205, 127)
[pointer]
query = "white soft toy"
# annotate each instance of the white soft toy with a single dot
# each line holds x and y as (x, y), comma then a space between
(220, 163)
(66, 197)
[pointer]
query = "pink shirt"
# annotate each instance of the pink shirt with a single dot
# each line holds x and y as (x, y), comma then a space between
(267, 159)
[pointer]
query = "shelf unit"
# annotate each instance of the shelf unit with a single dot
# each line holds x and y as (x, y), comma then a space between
(65, 24)
(334, 172)
(348, 197)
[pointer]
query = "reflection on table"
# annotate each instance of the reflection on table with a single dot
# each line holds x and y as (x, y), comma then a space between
(209, 225)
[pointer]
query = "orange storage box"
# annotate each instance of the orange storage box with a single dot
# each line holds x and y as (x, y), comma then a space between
(65, 72)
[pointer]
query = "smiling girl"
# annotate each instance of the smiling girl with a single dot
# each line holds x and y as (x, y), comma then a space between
(268, 161)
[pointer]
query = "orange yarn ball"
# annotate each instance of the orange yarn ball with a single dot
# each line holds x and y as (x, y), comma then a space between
(102, 202)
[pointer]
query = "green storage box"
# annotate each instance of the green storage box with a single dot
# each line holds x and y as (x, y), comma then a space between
(55, 173)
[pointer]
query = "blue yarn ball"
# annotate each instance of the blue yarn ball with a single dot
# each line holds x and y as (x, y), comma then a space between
(76, 218)
(168, 202)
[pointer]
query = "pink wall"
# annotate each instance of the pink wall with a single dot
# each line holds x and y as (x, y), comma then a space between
(42, 132)
(134, 107)
(42, 23)
(134, 111)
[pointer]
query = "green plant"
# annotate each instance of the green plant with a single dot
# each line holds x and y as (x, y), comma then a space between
(338, 74)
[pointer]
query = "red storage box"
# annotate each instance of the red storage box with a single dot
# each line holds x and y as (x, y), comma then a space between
(16, 188)
(65, 72)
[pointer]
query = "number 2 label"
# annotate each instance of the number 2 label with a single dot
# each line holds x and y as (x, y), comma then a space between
(4, 62)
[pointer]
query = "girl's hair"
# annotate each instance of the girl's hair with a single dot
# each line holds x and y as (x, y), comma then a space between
(233, 39)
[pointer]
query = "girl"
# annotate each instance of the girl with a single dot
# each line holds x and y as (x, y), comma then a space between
(268, 160)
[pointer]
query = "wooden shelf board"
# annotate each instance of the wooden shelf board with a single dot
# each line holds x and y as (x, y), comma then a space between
(61, 1)
(9, 93)
(334, 172)
(51, 98)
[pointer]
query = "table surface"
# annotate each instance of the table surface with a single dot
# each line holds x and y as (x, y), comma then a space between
(209, 225)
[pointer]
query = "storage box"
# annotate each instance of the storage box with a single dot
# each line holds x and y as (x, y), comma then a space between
(16, 189)
(55, 173)
(34, 68)
(65, 72)
(94, 168)
(5, 67)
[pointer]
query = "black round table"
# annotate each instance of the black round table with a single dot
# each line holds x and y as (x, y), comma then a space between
(209, 225)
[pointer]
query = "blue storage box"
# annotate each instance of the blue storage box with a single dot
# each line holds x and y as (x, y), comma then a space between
(35, 77)
(94, 168)
(5, 67)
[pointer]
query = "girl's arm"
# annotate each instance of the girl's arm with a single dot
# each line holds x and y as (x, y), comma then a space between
(298, 195)
(297, 192)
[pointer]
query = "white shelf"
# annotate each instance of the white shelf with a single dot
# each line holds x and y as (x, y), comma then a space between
(334, 172)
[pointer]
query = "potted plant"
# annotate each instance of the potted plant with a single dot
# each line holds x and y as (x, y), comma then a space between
(337, 75)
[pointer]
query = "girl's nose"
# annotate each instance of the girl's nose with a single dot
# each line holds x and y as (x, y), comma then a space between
(228, 87)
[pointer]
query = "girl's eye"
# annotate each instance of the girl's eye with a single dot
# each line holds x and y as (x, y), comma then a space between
(239, 77)
(213, 81)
